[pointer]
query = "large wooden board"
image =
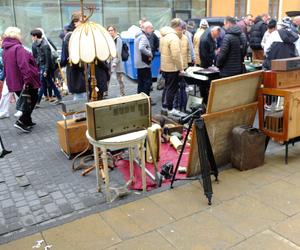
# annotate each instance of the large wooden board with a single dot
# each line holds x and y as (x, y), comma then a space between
(219, 127)
(233, 91)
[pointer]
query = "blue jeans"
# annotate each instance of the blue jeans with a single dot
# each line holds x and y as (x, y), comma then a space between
(47, 83)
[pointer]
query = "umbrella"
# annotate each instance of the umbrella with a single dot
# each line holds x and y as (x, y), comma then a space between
(90, 42)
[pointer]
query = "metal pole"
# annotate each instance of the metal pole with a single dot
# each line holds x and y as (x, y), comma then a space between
(13, 12)
(61, 17)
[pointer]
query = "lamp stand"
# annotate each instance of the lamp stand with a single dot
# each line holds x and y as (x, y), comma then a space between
(94, 96)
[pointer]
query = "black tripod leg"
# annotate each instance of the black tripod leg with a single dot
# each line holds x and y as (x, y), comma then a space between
(181, 152)
(205, 164)
(267, 142)
(211, 158)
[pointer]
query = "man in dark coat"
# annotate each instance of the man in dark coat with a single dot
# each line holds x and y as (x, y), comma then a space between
(75, 72)
(256, 35)
(207, 46)
(233, 50)
(42, 54)
(281, 44)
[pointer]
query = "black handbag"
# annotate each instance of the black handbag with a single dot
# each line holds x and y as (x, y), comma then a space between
(24, 102)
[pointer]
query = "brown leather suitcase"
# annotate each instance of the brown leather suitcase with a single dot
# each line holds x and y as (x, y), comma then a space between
(248, 148)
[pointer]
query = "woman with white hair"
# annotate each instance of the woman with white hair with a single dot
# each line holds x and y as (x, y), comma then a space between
(21, 72)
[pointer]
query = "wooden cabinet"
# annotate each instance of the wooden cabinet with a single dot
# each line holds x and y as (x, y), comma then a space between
(71, 135)
(279, 113)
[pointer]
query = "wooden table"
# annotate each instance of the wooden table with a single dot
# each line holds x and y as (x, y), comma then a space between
(130, 141)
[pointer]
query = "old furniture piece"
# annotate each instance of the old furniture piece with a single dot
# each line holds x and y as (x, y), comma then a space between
(71, 134)
(154, 139)
(112, 117)
(130, 140)
(281, 79)
(286, 64)
(232, 102)
(281, 121)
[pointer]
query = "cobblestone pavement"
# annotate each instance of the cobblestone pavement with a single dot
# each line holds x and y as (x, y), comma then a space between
(37, 186)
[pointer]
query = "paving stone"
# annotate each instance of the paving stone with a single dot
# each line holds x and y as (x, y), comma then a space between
(266, 240)
(23, 181)
(88, 201)
(66, 208)
(78, 206)
(41, 193)
(144, 241)
(95, 232)
(24, 210)
(46, 200)
(7, 203)
(21, 203)
(57, 195)
(28, 220)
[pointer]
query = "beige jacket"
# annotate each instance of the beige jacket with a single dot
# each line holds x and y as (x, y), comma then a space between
(196, 42)
(185, 51)
(170, 51)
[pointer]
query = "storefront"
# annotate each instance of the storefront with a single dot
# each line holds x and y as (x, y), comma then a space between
(53, 15)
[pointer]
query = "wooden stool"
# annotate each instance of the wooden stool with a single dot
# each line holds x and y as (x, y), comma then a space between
(130, 141)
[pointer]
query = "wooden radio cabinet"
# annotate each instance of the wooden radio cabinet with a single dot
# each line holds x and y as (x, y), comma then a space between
(117, 116)
(281, 79)
(279, 113)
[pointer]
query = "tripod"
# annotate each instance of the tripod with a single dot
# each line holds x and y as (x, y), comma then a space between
(207, 160)
(4, 151)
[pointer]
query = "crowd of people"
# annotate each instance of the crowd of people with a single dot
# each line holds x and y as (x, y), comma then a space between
(180, 45)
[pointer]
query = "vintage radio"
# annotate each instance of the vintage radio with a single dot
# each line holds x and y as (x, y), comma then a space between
(117, 116)
(71, 135)
(279, 113)
(281, 79)
(286, 64)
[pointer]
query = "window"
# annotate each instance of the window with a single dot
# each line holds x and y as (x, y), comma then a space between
(122, 13)
(199, 8)
(273, 8)
(33, 14)
(157, 12)
(70, 6)
(6, 17)
(240, 8)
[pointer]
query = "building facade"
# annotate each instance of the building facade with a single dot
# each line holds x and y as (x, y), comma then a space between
(52, 15)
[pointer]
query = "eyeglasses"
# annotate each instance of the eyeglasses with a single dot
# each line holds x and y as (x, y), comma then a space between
(110, 30)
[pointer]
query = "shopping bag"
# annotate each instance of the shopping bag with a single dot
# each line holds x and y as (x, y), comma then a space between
(24, 102)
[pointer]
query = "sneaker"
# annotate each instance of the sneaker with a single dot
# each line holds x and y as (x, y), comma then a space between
(31, 125)
(164, 111)
(37, 106)
(4, 115)
(22, 127)
(174, 112)
(18, 114)
(57, 101)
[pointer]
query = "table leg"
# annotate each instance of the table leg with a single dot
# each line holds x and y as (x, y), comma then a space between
(131, 158)
(105, 166)
(142, 152)
(96, 158)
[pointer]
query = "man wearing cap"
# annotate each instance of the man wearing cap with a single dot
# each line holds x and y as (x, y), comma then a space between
(202, 27)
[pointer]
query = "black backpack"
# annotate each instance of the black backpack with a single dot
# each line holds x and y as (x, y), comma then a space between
(125, 50)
